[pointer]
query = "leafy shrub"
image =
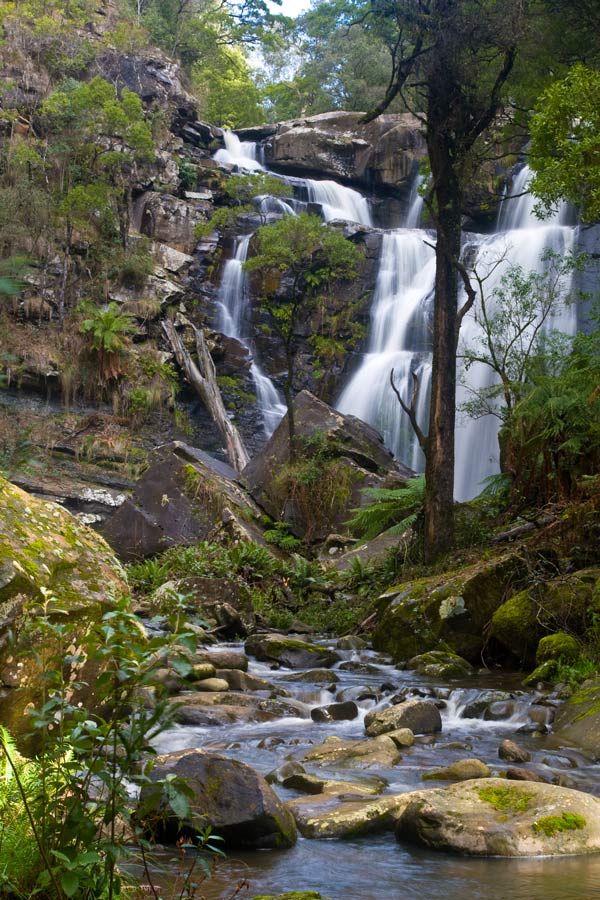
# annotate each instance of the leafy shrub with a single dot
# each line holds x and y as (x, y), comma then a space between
(393, 512)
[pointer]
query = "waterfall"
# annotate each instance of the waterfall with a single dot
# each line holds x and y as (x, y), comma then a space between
(242, 154)
(232, 300)
(399, 340)
(338, 201)
(399, 332)
(521, 239)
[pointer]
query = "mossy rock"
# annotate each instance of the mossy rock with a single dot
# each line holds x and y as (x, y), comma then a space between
(447, 612)
(441, 664)
(578, 719)
(557, 646)
(571, 601)
(48, 557)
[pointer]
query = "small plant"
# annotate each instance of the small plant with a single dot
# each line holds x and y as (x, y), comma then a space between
(394, 511)
(281, 536)
(551, 825)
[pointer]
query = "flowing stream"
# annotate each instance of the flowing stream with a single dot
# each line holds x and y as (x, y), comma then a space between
(377, 867)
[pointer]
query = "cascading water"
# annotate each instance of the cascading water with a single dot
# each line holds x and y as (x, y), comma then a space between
(338, 201)
(399, 341)
(232, 300)
(242, 154)
(521, 240)
(399, 330)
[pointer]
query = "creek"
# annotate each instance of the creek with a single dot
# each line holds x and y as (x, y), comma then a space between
(377, 867)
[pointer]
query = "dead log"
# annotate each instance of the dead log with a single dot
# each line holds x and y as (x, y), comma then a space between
(202, 377)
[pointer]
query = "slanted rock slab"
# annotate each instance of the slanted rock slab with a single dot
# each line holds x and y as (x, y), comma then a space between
(490, 817)
(289, 652)
(324, 816)
(378, 753)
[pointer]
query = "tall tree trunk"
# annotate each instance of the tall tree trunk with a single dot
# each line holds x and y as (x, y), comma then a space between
(203, 379)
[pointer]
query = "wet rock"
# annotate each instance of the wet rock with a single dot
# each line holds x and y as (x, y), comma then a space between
(462, 770)
(402, 737)
(499, 711)
(313, 676)
(421, 716)
(510, 751)
(557, 646)
(312, 784)
(514, 773)
(351, 642)
(289, 652)
(578, 720)
(477, 708)
(325, 817)
(380, 752)
(225, 659)
(453, 608)
(353, 665)
(244, 681)
(183, 498)
(335, 712)
(234, 800)
(492, 818)
(214, 685)
(357, 694)
(440, 664)
(287, 770)
(202, 670)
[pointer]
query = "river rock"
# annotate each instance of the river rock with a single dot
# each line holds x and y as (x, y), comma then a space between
(335, 712)
(454, 608)
(378, 753)
(313, 676)
(323, 816)
(230, 796)
(476, 708)
(225, 659)
(214, 685)
(289, 652)
(515, 773)
(421, 716)
(441, 664)
(312, 784)
(244, 681)
(462, 770)
(357, 448)
(183, 498)
(578, 719)
(351, 642)
(357, 694)
(492, 818)
(510, 751)
(402, 737)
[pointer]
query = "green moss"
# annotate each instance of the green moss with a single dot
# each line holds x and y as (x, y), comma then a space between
(556, 646)
(515, 625)
(551, 825)
(505, 799)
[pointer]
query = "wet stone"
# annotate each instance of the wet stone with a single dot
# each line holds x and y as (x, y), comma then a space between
(510, 751)
(335, 712)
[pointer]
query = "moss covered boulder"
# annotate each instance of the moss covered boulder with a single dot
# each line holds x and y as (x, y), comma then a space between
(228, 795)
(570, 602)
(446, 612)
(441, 664)
(48, 558)
(578, 719)
(493, 817)
(289, 652)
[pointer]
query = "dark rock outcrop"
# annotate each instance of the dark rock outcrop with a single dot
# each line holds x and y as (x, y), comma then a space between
(421, 716)
(228, 795)
(182, 499)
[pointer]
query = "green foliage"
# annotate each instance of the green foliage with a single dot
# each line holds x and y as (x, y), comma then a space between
(552, 436)
(505, 799)
(243, 193)
(107, 327)
(513, 322)
(394, 511)
(281, 536)
(11, 270)
(66, 805)
(565, 146)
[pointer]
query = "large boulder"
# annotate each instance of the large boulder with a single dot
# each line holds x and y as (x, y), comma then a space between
(340, 145)
(324, 816)
(323, 437)
(490, 817)
(49, 557)
(169, 220)
(378, 753)
(451, 611)
(578, 719)
(228, 795)
(183, 498)
(289, 652)
(421, 716)
(565, 601)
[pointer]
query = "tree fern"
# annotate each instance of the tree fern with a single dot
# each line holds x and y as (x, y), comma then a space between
(393, 510)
